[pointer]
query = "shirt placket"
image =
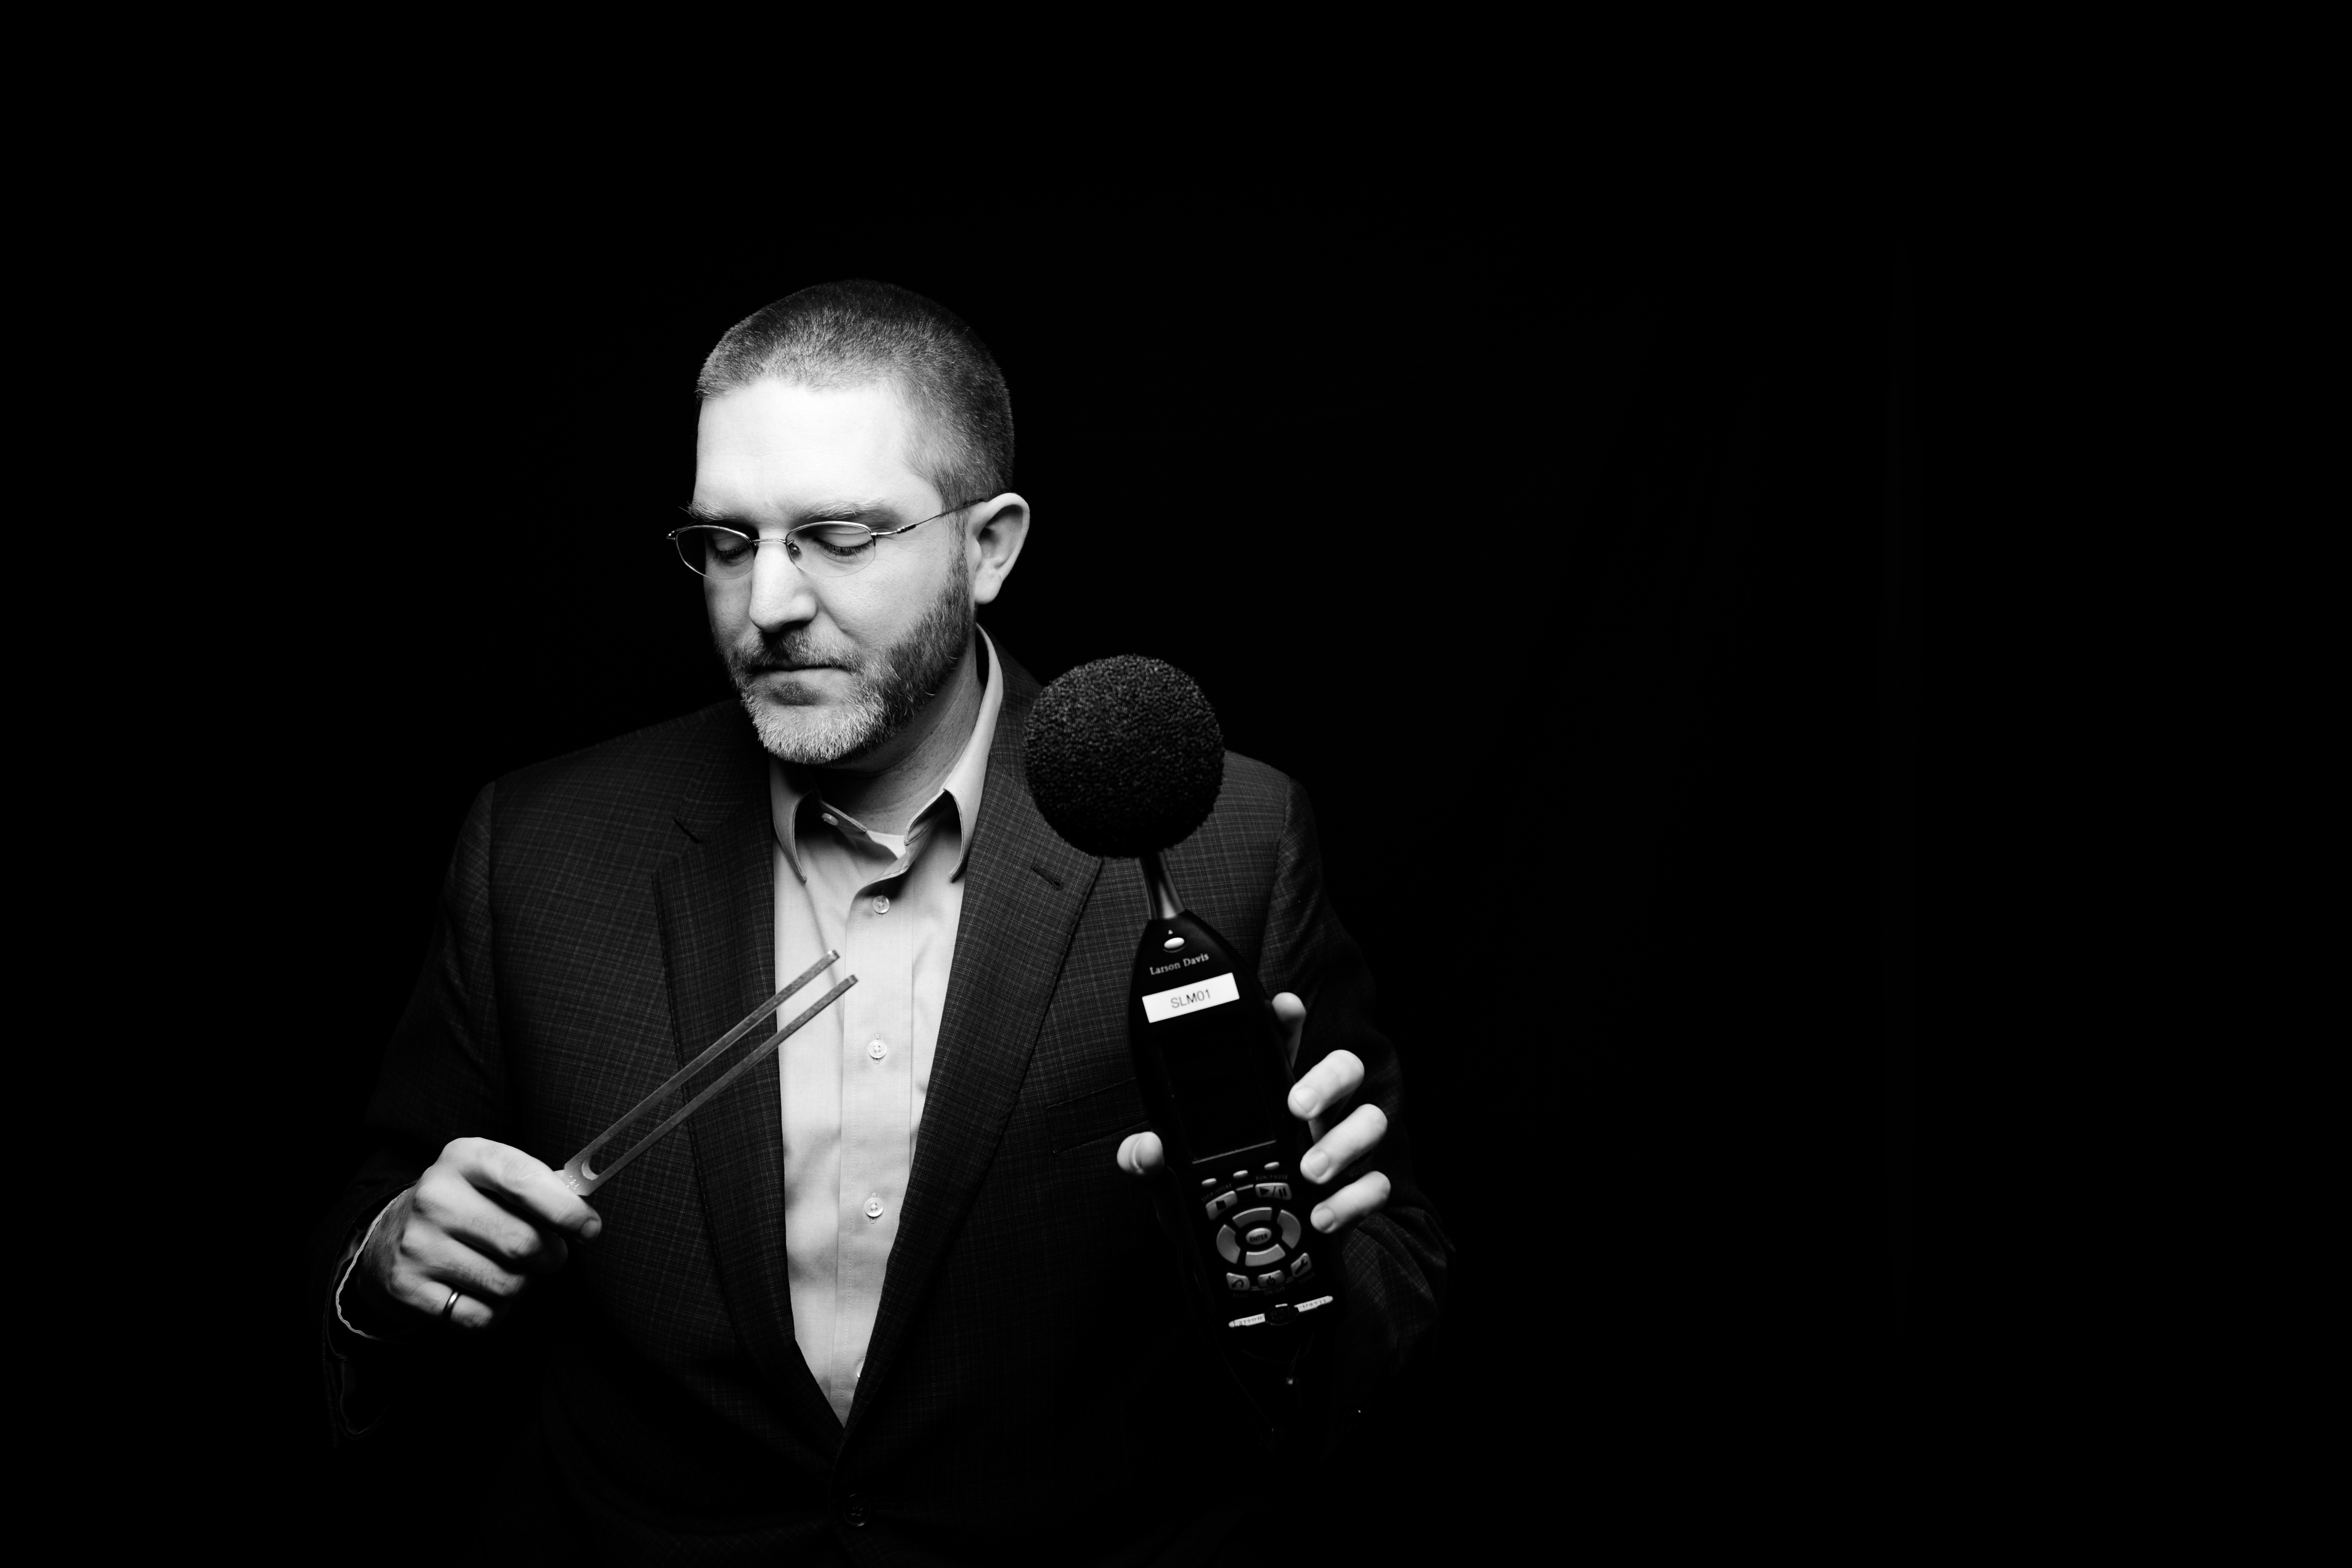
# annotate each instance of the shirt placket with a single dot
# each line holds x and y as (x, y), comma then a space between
(876, 1087)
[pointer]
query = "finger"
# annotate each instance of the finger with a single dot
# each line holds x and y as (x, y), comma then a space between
(1290, 1017)
(1345, 1144)
(471, 1310)
(513, 1241)
(1327, 1084)
(1366, 1195)
(525, 1184)
(472, 1314)
(447, 1200)
(1140, 1154)
(433, 1264)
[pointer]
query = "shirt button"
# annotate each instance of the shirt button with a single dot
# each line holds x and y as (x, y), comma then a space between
(881, 906)
(877, 1050)
(831, 821)
(874, 1208)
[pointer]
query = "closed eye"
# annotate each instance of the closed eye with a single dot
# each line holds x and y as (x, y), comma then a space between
(841, 542)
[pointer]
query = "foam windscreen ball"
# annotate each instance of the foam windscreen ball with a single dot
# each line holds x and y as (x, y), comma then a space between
(1124, 756)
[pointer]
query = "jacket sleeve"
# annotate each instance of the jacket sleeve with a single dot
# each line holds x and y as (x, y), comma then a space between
(443, 1078)
(1396, 1260)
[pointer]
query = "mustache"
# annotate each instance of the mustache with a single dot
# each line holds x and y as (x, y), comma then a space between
(793, 650)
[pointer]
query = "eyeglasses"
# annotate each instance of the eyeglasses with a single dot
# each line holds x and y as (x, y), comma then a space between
(819, 549)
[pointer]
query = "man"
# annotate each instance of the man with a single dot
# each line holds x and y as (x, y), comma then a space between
(898, 1294)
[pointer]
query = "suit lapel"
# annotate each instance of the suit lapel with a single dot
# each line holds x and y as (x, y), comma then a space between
(1024, 891)
(716, 903)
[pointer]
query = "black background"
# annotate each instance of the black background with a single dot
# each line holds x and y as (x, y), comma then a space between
(1572, 563)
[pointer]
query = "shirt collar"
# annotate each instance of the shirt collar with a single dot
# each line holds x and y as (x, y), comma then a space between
(790, 788)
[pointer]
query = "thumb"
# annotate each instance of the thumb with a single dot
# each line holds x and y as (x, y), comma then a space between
(1290, 1017)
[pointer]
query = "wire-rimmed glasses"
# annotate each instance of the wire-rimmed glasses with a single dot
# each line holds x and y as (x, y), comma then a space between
(821, 549)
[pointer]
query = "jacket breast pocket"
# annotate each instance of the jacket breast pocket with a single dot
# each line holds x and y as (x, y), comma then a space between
(1102, 1116)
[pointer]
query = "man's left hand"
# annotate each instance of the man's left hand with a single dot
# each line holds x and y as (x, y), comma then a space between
(1327, 1084)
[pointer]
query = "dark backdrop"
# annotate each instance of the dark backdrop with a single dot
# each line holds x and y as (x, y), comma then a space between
(1571, 563)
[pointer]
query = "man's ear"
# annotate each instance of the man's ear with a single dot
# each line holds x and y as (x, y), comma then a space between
(992, 543)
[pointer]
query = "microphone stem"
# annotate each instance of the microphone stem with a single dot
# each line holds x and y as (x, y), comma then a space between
(1158, 891)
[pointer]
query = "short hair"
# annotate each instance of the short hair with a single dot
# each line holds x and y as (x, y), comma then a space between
(857, 332)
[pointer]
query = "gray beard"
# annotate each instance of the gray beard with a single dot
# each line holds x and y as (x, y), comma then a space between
(886, 697)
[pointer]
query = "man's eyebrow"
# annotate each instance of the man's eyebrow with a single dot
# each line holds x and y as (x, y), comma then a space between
(824, 511)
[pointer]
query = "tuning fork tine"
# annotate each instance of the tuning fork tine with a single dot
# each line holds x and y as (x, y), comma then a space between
(576, 1173)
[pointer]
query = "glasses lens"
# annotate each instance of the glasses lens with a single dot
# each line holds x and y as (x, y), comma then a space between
(832, 549)
(716, 552)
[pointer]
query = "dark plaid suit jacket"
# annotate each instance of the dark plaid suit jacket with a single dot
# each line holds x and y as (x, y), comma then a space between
(1035, 1384)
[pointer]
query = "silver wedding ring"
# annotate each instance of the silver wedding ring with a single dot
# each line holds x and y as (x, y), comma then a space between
(450, 1305)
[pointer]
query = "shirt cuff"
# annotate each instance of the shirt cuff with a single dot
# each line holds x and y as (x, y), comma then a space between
(351, 1262)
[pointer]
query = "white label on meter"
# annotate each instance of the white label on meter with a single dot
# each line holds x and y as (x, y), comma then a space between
(1162, 1006)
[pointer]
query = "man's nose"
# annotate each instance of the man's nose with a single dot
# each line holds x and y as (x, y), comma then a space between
(781, 592)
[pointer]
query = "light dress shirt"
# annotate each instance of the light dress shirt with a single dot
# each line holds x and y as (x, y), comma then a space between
(853, 1081)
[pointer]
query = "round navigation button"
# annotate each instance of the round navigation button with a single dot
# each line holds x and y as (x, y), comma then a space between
(1258, 1238)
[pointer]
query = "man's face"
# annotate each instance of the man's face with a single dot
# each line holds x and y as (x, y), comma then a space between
(831, 669)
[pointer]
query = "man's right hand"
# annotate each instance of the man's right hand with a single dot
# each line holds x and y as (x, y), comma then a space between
(481, 1220)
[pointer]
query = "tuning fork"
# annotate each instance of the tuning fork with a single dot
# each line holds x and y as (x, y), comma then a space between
(576, 1173)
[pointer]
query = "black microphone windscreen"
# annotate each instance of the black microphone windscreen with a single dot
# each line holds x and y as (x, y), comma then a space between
(1124, 756)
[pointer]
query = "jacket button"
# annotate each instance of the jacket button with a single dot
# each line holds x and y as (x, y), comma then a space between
(853, 1508)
